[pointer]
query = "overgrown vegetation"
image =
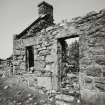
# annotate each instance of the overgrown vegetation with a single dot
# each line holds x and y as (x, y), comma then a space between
(70, 59)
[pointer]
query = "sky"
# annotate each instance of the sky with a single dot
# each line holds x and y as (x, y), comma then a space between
(16, 15)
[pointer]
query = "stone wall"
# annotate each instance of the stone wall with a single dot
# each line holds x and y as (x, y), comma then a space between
(45, 58)
(92, 59)
(91, 32)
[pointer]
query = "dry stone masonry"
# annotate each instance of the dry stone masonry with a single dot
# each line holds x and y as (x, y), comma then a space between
(37, 51)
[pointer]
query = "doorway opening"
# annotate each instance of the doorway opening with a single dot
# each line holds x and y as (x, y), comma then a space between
(29, 57)
(68, 61)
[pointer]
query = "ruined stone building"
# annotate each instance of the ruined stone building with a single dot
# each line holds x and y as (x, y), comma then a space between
(39, 49)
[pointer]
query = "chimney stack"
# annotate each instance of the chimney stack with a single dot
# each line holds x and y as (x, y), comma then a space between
(45, 9)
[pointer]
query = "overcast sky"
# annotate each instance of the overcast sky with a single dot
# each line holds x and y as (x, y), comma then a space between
(16, 15)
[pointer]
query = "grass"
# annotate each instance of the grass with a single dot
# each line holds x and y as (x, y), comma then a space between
(13, 94)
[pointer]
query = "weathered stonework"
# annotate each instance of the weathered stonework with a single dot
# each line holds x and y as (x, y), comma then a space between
(92, 61)
(45, 43)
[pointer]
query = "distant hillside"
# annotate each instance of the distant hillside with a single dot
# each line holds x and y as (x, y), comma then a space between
(1, 61)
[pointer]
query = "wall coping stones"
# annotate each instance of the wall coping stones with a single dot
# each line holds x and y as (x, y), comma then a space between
(75, 21)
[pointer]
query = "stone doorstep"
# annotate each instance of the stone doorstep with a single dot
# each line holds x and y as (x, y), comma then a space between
(59, 102)
(64, 98)
(64, 101)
